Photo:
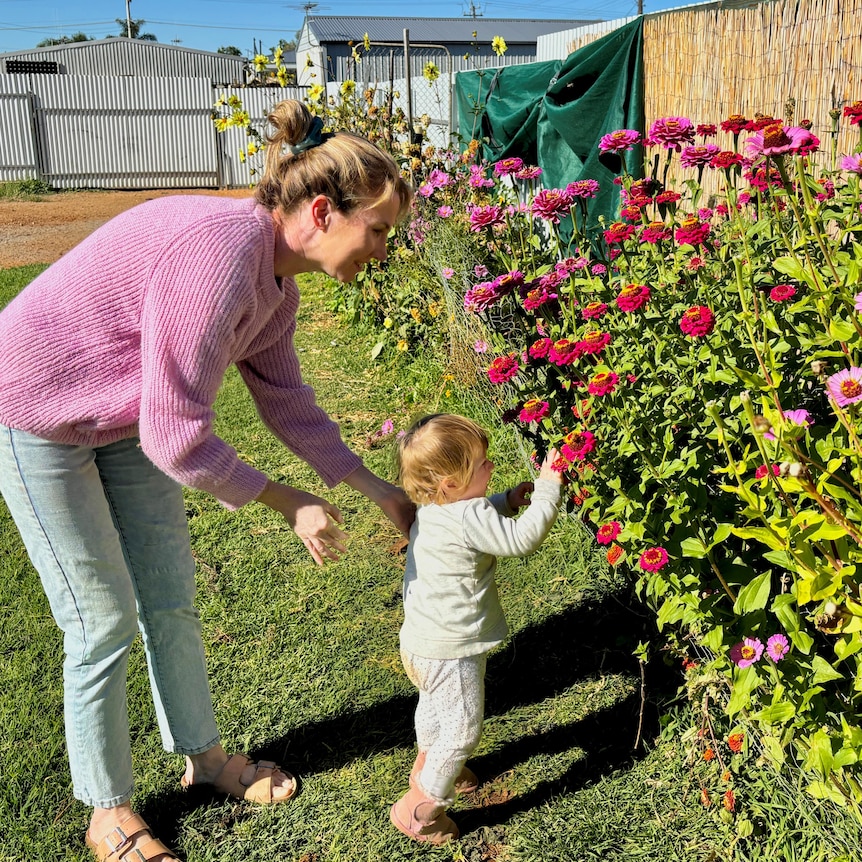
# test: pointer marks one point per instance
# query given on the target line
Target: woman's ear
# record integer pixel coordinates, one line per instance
(321, 211)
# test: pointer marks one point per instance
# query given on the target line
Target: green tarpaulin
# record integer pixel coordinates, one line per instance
(554, 113)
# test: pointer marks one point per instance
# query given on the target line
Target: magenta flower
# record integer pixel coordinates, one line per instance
(577, 445)
(603, 383)
(853, 164)
(619, 232)
(632, 297)
(654, 232)
(857, 302)
(693, 157)
(564, 351)
(672, 132)
(763, 470)
(481, 297)
(540, 349)
(503, 368)
(480, 346)
(506, 283)
(593, 310)
(534, 410)
(777, 647)
(706, 130)
(487, 216)
(799, 418)
(608, 533)
(778, 140)
(439, 179)
(725, 159)
(782, 292)
(528, 173)
(480, 270)
(444, 211)
(845, 387)
(653, 559)
(746, 652)
(692, 231)
(593, 342)
(697, 321)
(583, 189)
(619, 141)
(537, 297)
(448, 272)
(551, 205)
(506, 167)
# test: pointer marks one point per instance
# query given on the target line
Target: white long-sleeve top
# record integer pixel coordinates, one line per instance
(451, 605)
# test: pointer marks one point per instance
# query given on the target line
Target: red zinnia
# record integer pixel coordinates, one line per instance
(539, 349)
(533, 410)
(603, 383)
(692, 231)
(654, 232)
(593, 342)
(608, 532)
(503, 368)
(735, 123)
(725, 159)
(782, 292)
(564, 351)
(593, 310)
(697, 321)
(619, 232)
(854, 112)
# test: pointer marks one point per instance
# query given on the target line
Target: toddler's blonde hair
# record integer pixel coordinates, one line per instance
(439, 448)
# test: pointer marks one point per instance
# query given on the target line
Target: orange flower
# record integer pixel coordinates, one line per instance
(709, 754)
(615, 554)
(725, 776)
(728, 800)
(734, 742)
(705, 801)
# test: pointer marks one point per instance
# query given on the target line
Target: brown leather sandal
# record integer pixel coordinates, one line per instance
(229, 780)
(130, 841)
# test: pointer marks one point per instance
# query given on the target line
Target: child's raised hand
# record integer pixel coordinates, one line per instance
(547, 470)
(519, 495)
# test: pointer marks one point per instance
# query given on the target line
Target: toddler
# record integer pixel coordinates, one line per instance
(452, 613)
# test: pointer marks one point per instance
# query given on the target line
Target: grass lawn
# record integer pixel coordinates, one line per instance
(304, 670)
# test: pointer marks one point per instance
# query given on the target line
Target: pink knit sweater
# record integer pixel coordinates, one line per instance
(131, 332)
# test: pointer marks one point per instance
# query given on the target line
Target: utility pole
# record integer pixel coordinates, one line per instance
(640, 7)
(128, 19)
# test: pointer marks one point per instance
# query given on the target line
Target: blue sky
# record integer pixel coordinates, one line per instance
(210, 24)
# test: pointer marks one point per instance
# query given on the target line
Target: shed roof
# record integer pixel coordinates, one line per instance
(344, 28)
(133, 44)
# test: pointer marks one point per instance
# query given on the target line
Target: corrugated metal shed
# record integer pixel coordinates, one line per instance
(137, 57)
(339, 28)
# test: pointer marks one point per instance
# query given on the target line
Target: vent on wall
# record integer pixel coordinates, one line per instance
(32, 67)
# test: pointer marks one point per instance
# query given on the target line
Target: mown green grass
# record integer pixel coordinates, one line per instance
(305, 670)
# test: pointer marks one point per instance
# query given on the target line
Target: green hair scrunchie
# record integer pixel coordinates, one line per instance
(314, 138)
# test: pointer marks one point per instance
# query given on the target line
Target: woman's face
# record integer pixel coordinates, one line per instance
(354, 239)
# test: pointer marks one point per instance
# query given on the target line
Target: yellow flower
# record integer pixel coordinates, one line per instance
(221, 124)
(356, 56)
(277, 54)
(402, 345)
(431, 73)
(235, 102)
(416, 315)
(388, 323)
(242, 156)
(347, 88)
(315, 91)
(499, 46)
(434, 308)
(241, 118)
(252, 148)
(261, 61)
(308, 61)
(366, 42)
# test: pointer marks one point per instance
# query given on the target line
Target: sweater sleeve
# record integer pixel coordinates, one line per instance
(288, 408)
(196, 300)
(488, 531)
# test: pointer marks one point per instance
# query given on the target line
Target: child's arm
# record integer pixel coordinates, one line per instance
(490, 531)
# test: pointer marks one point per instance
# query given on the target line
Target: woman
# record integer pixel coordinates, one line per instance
(110, 362)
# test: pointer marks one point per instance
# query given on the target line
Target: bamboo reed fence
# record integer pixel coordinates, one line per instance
(791, 59)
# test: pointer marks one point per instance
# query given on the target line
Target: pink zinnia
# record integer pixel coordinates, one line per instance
(778, 140)
(529, 173)
(653, 559)
(668, 197)
(603, 383)
(503, 368)
(632, 297)
(577, 445)
(693, 157)
(777, 647)
(533, 410)
(509, 281)
(537, 297)
(672, 132)
(692, 231)
(505, 167)
(845, 387)
(746, 652)
(593, 342)
(619, 141)
(853, 164)
(583, 189)
(539, 349)
(619, 232)
(656, 231)
(706, 130)
(697, 321)
(608, 532)
(487, 216)
(481, 297)
(551, 205)
(593, 310)
(782, 292)
(444, 211)
(564, 351)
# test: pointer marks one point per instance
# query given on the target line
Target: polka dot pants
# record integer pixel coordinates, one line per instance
(448, 717)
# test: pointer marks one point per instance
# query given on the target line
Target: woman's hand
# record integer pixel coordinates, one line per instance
(312, 518)
(394, 503)
(519, 496)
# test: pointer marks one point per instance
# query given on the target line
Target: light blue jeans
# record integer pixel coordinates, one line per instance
(107, 532)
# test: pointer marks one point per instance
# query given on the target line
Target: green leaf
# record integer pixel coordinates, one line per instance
(790, 266)
(841, 330)
(693, 547)
(755, 595)
(761, 534)
(376, 350)
(778, 713)
(823, 671)
(744, 684)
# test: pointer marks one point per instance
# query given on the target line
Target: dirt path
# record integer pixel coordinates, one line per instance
(41, 231)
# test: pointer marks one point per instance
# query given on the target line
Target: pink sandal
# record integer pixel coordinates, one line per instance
(229, 780)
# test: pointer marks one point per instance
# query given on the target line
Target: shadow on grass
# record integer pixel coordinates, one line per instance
(538, 662)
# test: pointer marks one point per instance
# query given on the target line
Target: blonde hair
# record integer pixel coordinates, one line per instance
(350, 170)
(439, 448)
